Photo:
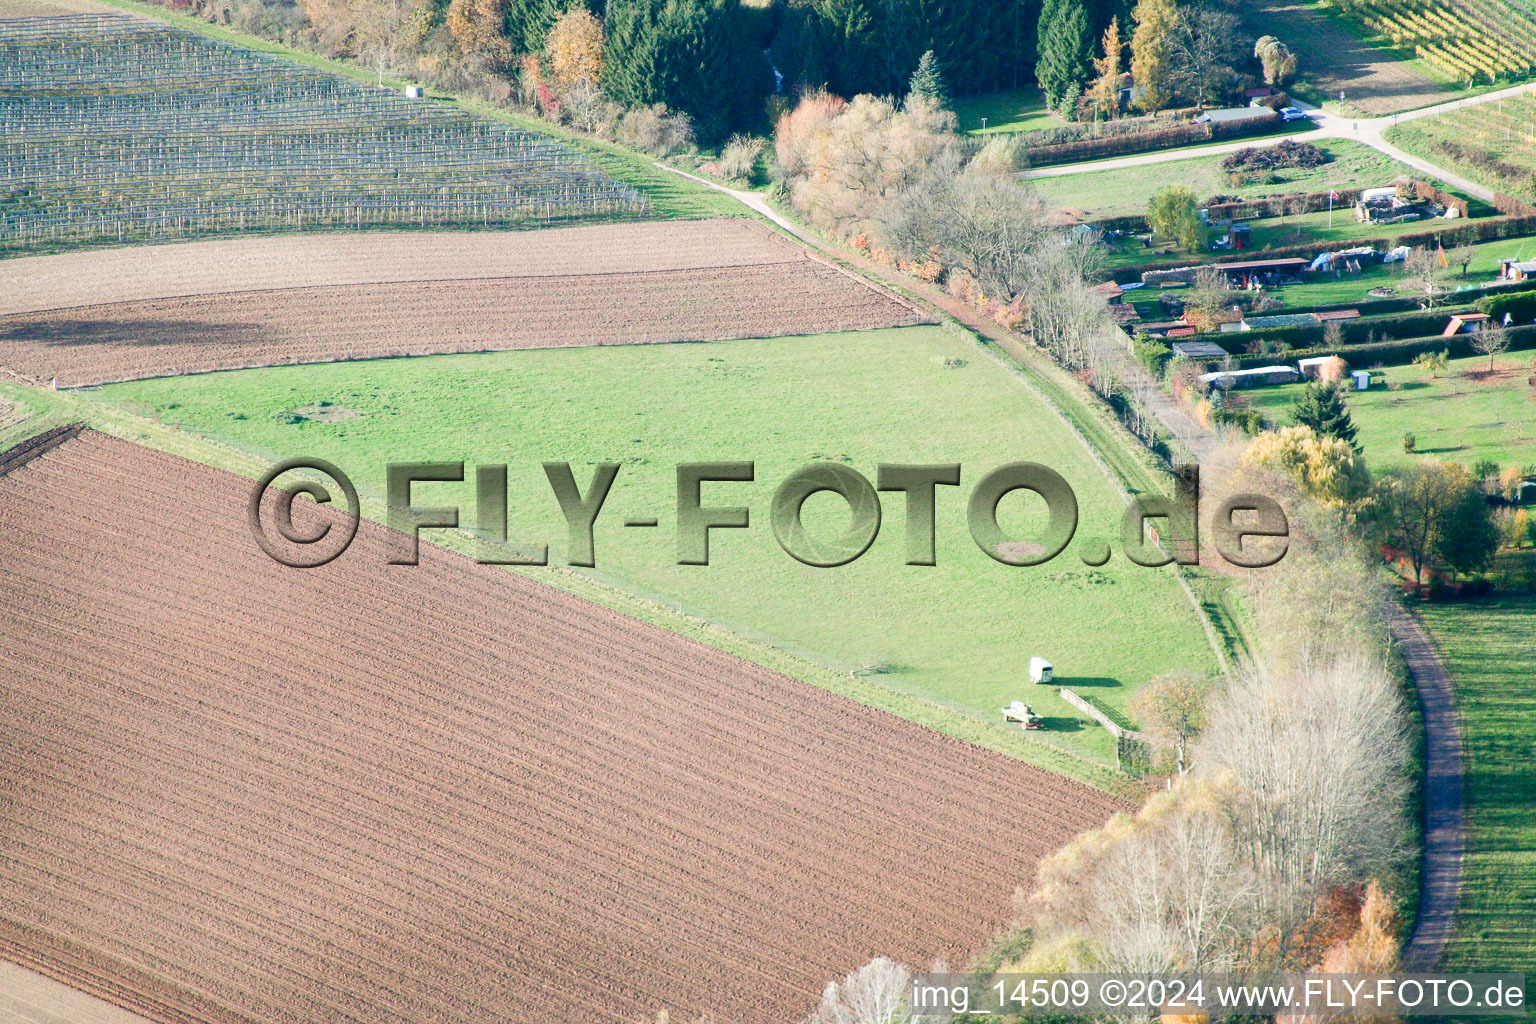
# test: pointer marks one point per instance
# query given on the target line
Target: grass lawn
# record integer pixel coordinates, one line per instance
(959, 634)
(1455, 417)
(1013, 110)
(1129, 190)
(1491, 647)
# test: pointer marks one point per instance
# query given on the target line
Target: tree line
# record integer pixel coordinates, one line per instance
(731, 67)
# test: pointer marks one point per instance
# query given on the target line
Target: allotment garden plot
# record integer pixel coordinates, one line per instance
(121, 129)
(110, 315)
(442, 794)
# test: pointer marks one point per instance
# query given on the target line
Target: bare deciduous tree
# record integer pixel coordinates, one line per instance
(1162, 890)
(1491, 341)
(1204, 43)
(991, 226)
(1426, 273)
(1319, 757)
(1461, 256)
(874, 994)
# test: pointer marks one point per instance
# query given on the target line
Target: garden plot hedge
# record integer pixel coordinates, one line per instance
(1187, 134)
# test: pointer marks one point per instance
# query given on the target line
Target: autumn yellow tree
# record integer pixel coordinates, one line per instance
(575, 48)
(1372, 949)
(1105, 90)
(1509, 482)
(479, 29)
(1152, 52)
(1326, 467)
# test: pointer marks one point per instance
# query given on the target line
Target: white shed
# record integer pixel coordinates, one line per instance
(1039, 670)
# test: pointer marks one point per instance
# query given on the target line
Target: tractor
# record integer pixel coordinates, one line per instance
(1022, 713)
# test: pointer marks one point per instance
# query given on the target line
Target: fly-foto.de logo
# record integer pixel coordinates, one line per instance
(1247, 530)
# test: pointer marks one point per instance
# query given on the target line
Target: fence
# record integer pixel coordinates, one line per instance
(1130, 754)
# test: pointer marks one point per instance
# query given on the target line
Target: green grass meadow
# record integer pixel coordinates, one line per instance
(1456, 417)
(959, 634)
(1491, 647)
(1127, 191)
(1012, 110)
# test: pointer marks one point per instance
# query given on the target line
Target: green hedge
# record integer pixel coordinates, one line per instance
(1415, 324)
(1141, 142)
(1519, 305)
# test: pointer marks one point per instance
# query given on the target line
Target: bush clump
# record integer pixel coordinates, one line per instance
(1288, 153)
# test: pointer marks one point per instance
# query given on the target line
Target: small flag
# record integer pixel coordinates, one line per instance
(1332, 195)
(1441, 253)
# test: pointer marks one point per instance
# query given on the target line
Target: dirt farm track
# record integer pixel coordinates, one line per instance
(236, 793)
(121, 314)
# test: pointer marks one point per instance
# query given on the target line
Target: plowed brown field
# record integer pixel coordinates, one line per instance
(95, 317)
(235, 792)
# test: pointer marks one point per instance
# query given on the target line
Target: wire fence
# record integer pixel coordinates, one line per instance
(113, 128)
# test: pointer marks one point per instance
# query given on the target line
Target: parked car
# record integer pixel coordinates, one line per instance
(1288, 114)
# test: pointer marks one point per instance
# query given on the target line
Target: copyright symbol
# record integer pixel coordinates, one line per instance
(1112, 992)
(280, 510)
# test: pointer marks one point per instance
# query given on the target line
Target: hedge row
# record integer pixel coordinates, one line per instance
(1521, 306)
(1247, 209)
(1511, 206)
(1283, 206)
(1061, 135)
(1417, 324)
(1389, 353)
(1143, 142)
(1311, 202)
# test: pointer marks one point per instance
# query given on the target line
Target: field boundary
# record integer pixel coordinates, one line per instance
(20, 454)
(123, 424)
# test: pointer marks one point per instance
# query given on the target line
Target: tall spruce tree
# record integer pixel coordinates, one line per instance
(928, 80)
(1066, 51)
(529, 21)
(1321, 407)
(692, 55)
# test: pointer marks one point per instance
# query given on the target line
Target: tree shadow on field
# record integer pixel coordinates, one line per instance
(65, 331)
